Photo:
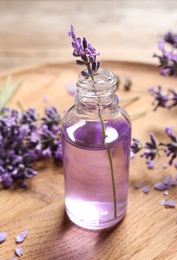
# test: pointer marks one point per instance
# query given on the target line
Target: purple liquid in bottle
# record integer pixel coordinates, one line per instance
(88, 185)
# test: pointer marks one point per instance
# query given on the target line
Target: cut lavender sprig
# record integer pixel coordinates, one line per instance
(86, 52)
(88, 55)
(152, 148)
(163, 99)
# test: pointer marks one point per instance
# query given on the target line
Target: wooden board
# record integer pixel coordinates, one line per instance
(148, 230)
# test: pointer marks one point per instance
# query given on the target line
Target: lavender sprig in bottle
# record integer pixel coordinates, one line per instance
(96, 145)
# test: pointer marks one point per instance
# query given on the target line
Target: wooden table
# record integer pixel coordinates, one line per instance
(131, 29)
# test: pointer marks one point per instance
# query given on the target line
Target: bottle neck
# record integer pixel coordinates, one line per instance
(97, 91)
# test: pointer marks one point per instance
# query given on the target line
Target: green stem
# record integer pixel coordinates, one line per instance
(19, 104)
(46, 140)
(110, 158)
(113, 182)
(110, 161)
(8, 90)
(161, 149)
(137, 115)
(102, 123)
(129, 99)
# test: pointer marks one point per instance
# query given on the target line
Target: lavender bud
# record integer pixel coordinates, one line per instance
(79, 62)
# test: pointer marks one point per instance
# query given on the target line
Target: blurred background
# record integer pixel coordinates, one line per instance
(34, 31)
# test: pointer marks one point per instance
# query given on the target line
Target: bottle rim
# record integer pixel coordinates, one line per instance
(104, 79)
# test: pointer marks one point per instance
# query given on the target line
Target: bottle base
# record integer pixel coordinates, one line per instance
(95, 224)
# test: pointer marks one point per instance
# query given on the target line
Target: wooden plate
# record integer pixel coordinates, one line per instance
(147, 232)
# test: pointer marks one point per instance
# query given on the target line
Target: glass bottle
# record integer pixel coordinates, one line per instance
(96, 151)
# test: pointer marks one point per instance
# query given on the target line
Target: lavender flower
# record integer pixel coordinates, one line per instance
(146, 189)
(151, 148)
(6, 179)
(173, 98)
(19, 251)
(167, 180)
(137, 185)
(160, 97)
(25, 138)
(165, 184)
(171, 148)
(160, 186)
(136, 146)
(20, 237)
(168, 59)
(150, 164)
(52, 116)
(86, 52)
(45, 99)
(70, 87)
(171, 39)
(29, 116)
(51, 134)
(3, 236)
(175, 164)
(165, 165)
(170, 203)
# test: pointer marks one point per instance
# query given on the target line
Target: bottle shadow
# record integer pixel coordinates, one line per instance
(79, 243)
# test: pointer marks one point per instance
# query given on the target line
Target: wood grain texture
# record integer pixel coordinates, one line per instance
(147, 232)
(35, 31)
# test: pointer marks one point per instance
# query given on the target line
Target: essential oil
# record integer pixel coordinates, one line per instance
(96, 151)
